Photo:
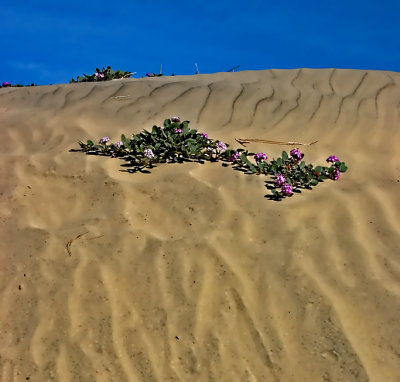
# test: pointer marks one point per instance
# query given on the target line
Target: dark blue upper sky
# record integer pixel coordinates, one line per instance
(51, 41)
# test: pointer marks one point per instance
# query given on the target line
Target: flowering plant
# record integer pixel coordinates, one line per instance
(176, 142)
(154, 75)
(7, 84)
(290, 173)
(106, 74)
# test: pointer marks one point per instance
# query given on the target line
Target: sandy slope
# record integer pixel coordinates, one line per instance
(189, 273)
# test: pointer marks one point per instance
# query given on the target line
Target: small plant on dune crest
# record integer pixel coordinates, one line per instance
(106, 74)
(176, 142)
(154, 75)
(7, 84)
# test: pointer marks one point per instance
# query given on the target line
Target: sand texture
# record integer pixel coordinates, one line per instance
(189, 273)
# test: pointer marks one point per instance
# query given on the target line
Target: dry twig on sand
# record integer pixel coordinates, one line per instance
(68, 246)
(244, 141)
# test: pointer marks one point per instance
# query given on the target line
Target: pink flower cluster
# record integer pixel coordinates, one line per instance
(279, 180)
(332, 159)
(148, 153)
(287, 189)
(234, 157)
(104, 140)
(336, 174)
(296, 154)
(221, 146)
(260, 157)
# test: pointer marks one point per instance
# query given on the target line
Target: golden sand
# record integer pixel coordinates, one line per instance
(189, 273)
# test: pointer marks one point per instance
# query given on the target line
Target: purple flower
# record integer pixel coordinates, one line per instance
(260, 156)
(5, 84)
(279, 180)
(178, 131)
(234, 157)
(335, 174)
(205, 135)
(104, 140)
(221, 146)
(118, 144)
(175, 119)
(149, 153)
(332, 159)
(287, 189)
(296, 154)
(148, 74)
(99, 75)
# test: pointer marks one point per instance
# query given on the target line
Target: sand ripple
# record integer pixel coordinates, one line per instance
(189, 273)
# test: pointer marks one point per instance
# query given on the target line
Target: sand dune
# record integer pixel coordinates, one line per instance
(189, 273)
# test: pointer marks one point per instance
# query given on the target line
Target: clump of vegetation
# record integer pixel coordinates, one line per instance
(154, 75)
(105, 74)
(9, 85)
(289, 172)
(176, 142)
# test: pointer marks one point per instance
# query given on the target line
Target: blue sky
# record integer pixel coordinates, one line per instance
(52, 41)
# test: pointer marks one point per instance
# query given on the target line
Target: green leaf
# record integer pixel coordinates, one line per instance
(185, 130)
(314, 182)
(261, 165)
(284, 155)
(252, 168)
(244, 159)
(164, 134)
(342, 167)
(90, 143)
(279, 161)
(318, 169)
(126, 142)
(302, 164)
